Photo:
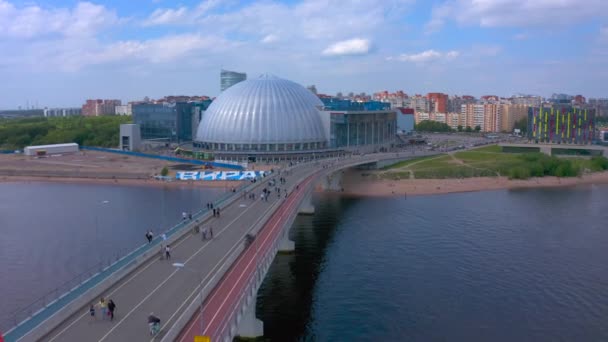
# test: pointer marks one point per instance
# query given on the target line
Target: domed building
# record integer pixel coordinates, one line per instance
(267, 115)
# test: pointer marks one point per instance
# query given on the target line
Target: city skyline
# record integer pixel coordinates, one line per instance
(63, 52)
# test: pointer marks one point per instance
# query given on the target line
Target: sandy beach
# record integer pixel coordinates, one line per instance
(355, 183)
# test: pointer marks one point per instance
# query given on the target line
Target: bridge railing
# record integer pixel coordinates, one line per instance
(29, 317)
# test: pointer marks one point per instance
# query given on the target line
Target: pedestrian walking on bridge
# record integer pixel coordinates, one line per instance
(111, 308)
(168, 252)
(104, 308)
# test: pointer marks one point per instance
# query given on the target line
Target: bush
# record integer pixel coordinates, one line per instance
(164, 172)
(519, 173)
(599, 163)
(566, 169)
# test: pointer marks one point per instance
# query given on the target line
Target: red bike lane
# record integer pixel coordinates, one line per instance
(219, 306)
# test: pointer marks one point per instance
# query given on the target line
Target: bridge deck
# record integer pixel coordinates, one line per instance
(161, 288)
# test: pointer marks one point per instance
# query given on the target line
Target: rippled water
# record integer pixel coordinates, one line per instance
(50, 232)
(526, 265)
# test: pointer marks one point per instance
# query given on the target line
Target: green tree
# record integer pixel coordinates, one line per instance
(522, 125)
(477, 128)
(432, 126)
(459, 128)
(100, 131)
(468, 129)
(164, 172)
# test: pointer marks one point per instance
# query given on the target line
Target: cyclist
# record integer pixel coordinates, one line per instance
(154, 323)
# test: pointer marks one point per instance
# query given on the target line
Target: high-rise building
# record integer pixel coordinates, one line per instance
(511, 113)
(528, 100)
(230, 78)
(396, 99)
(50, 112)
(418, 102)
(438, 102)
(100, 107)
(473, 115)
(492, 117)
(561, 124)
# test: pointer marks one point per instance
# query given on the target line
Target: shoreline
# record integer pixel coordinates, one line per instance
(356, 185)
(120, 181)
(353, 183)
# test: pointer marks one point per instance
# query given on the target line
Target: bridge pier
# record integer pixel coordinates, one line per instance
(307, 208)
(332, 182)
(249, 325)
(286, 245)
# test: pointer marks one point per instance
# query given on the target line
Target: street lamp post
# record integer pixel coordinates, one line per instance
(180, 265)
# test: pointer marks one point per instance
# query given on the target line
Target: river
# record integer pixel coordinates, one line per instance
(524, 265)
(51, 232)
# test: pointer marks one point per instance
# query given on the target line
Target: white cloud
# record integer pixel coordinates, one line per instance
(85, 19)
(516, 13)
(162, 16)
(426, 56)
(356, 46)
(180, 16)
(270, 38)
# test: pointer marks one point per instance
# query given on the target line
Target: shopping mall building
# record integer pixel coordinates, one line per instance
(269, 119)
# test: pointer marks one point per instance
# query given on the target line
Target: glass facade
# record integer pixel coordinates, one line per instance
(351, 129)
(230, 78)
(167, 121)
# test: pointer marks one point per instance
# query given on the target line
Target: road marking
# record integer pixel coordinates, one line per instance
(133, 277)
(212, 273)
(270, 231)
(269, 234)
(152, 263)
(166, 279)
(215, 293)
(110, 294)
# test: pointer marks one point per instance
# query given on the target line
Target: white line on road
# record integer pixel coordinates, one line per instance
(166, 279)
(212, 273)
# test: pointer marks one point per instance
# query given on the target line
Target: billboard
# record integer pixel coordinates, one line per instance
(220, 175)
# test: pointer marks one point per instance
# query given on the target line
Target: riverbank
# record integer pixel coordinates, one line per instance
(357, 183)
(122, 181)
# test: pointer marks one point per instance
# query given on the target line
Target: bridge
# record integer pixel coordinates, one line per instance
(209, 286)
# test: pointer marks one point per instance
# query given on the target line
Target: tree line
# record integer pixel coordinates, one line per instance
(101, 131)
(436, 126)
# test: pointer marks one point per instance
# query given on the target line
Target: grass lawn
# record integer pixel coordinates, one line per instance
(489, 161)
(403, 163)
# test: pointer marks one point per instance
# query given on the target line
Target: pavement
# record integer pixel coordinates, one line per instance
(163, 289)
(219, 305)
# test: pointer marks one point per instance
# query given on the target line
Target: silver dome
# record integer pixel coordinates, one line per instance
(268, 111)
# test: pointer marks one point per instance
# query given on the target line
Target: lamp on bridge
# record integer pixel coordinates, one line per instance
(180, 265)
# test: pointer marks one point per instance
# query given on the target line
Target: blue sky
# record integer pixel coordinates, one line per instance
(59, 53)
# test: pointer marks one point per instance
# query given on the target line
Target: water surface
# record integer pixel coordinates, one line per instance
(524, 265)
(51, 232)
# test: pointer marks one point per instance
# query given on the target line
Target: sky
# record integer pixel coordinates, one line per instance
(59, 53)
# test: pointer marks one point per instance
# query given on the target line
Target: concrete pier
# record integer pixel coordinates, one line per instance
(307, 208)
(286, 245)
(249, 325)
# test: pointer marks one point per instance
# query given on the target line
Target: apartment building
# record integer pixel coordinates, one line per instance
(511, 113)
